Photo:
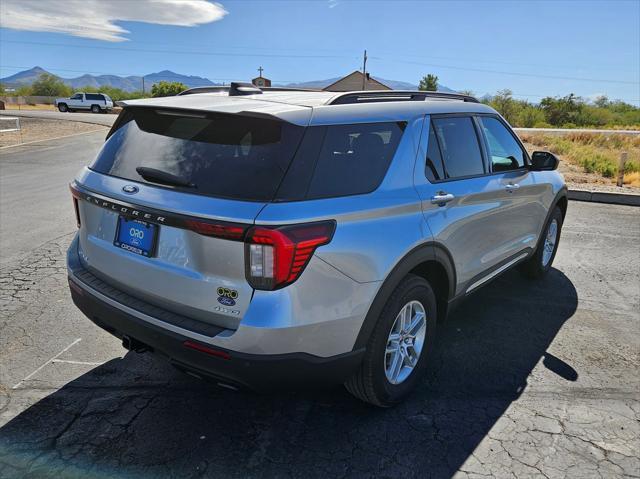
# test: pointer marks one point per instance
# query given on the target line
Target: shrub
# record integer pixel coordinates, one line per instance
(529, 116)
(165, 88)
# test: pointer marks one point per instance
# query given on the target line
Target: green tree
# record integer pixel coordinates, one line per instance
(24, 90)
(529, 116)
(428, 83)
(505, 104)
(602, 101)
(49, 85)
(165, 88)
(566, 110)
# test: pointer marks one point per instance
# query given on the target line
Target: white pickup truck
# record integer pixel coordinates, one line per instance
(94, 102)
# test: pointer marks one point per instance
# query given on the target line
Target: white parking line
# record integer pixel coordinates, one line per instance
(84, 363)
(51, 139)
(16, 386)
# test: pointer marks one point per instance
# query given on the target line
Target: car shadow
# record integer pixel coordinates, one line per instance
(137, 417)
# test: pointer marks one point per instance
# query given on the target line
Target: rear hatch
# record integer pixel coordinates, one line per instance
(163, 208)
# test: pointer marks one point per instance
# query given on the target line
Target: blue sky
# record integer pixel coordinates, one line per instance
(534, 48)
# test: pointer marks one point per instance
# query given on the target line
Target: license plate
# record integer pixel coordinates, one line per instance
(136, 236)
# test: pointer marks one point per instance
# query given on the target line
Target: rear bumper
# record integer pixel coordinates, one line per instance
(262, 372)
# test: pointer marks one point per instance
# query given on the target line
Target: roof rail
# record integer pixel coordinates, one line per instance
(396, 95)
(227, 88)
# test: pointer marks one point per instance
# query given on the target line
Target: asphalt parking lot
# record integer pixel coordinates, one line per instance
(530, 379)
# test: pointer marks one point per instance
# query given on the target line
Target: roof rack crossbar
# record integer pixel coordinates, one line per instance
(396, 95)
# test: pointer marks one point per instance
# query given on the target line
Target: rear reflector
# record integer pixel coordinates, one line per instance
(275, 257)
(206, 349)
(75, 287)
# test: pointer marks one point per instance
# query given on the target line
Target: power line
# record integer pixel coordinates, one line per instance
(181, 52)
(390, 52)
(499, 62)
(20, 68)
(532, 75)
(430, 65)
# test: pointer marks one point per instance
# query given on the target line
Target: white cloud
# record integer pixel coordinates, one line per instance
(96, 18)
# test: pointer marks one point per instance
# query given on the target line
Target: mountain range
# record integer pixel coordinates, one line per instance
(133, 83)
(126, 83)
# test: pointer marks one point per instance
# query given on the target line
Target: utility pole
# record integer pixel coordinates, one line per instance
(364, 71)
(142, 85)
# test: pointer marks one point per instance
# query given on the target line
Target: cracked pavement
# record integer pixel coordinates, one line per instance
(529, 379)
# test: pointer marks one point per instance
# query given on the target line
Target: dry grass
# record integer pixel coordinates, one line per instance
(632, 179)
(594, 152)
(13, 106)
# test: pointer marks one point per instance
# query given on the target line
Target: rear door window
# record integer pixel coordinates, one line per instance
(459, 145)
(222, 155)
(354, 159)
(505, 152)
(434, 169)
(93, 96)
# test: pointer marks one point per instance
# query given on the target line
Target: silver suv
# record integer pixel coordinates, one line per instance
(270, 238)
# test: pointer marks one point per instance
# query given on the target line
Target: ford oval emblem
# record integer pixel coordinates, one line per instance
(226, 301)
(130, 189)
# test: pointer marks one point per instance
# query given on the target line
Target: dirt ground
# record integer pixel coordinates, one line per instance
(35, 129)
(577, 178)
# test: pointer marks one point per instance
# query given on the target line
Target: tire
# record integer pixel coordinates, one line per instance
(95, 109)
(371, 383)
(539, 264)
(62, 107)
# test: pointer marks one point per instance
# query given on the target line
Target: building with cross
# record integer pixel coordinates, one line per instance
(261, 81)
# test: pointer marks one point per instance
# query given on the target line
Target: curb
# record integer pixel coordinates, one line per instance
(603, 197)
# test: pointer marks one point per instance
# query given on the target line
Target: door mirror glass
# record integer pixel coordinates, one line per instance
(544, 161)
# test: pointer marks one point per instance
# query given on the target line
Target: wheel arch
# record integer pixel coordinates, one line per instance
(431, 261)
(562, 201)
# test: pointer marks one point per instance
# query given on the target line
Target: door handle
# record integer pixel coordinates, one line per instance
(511, 187)
(441, 198)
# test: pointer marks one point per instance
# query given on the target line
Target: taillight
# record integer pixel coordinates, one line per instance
(229, 231)
(275, 257)
(76, 207)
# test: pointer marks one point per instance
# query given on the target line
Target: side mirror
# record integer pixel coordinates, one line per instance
(544, 161)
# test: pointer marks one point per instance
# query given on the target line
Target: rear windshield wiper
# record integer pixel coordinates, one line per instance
(163, 177)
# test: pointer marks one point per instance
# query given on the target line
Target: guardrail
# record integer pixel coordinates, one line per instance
(564, 131)
(28, 100)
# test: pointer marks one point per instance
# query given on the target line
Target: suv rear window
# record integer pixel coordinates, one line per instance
(354, 158)
(94, 96)
(223, 155)
(341, 160)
